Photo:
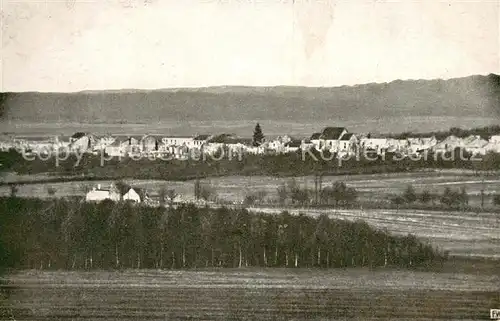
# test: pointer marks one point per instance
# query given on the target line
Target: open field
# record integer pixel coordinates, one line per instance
(235, 188)
(251, 294)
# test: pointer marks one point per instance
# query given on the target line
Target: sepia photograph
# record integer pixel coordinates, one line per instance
(249, 160)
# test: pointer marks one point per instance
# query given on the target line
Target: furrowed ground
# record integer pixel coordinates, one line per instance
(251, 294)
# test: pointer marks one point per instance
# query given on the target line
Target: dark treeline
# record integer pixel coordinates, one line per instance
(69, 234)
(485, 133)
(448, 199)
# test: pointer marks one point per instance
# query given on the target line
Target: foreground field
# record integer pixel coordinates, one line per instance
(260, 294)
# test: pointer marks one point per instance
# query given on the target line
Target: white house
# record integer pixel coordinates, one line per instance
(495, 139)
(293, 145)
(448, 144)
(39, 145)
(115, 149)
(178, 141)
(131, 145)
(316, 140)
(475, 144)
(493, 144)
(226, 143)
(81, 142)
(348, 144)
(397, 145)
(306, 144)
(492, 147)
(376, 144)
(330, 138)
(100, 194)
(257, 150)
(277, 144)
(416, 145)
(149, 143)
(176, 152)
(102, 142)
(132, 195)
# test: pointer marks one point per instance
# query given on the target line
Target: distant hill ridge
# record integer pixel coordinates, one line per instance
(463, 97)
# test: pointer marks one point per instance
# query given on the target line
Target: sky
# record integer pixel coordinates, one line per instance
(72, 45)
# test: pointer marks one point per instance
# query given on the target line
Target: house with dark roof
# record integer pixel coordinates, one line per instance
(102, 142)
(330, 138)
(293, 145)
(449, 144)
(228, 142)
(178, 141)
(333, 133)
(348, 144)
(229, 139)
(315, 136)
(131, 144)
(82, 142)
(77, 136)
(200, 140)
(149, 143)
(115, 149)
(475, 144)
(275, 145)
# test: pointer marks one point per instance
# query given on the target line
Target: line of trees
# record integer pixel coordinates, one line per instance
(291, 193)
(69, 234)
(484, 132)
(449, 197)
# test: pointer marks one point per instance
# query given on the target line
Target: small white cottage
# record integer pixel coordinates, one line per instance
(100, 194)
(132, 195)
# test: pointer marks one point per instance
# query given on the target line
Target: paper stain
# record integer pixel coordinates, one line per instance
(70, 4)
(314, 19)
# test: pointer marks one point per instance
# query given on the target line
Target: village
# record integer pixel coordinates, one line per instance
(336, 140)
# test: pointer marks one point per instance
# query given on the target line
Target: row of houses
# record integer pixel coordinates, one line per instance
(339, 140)
(333, 139)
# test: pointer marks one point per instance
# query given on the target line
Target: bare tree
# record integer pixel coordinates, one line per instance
(84, 188)
(282, 194)
(249, 200)
(409, 195)
(171, 195)
(162, 195)
(255, 197)
(122, 188)
(260, 195)
(51, 191)
(425, 197)
(13, 190)
(207, 192)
